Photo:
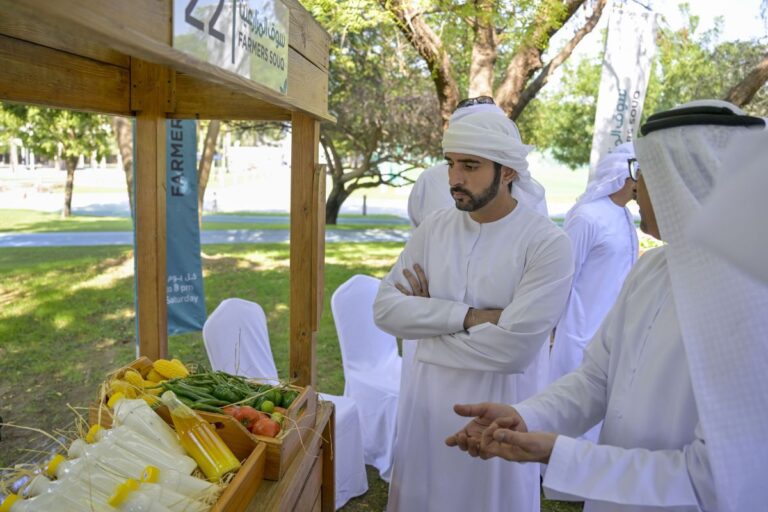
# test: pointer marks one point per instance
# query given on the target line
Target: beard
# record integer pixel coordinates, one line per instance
(475, 202)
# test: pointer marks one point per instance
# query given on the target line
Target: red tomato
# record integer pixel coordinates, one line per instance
(249, 416)
(266, 427)
(232, 410)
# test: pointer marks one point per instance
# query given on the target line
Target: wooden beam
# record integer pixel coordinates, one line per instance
(305, 137)
(40, 31)
(103, 23)
(307, 36)
(151, 96)
(198, 99)
(35, 74)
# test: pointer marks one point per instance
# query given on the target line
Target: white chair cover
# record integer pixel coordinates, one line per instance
(372, 368)
(237, 341)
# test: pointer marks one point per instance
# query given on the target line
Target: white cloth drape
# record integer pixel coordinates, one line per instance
(732, 222)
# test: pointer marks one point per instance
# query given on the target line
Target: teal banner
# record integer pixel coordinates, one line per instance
(186, 300)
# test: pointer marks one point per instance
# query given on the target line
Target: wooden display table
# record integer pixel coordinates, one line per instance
(309, 483)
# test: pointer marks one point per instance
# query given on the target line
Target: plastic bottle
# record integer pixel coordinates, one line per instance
(114, 459)
(136, 414)
(141, 447)
(46, 502)
(52, 501)
(128, 498)
(200, 440)
(179, 482)
(172, 500)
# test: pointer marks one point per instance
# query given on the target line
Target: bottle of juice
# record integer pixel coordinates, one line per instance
(200, 440)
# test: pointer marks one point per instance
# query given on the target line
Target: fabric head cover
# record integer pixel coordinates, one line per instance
(611, 174)
(492, 135)
(722, 312)
(732, 222)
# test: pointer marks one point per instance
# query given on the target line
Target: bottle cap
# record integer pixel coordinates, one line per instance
(90, 437)
(8, 503)
(151, 474)
(122, 491)
(53, 464)
(114, 399)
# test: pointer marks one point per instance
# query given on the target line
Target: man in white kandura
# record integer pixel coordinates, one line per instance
(605, 247)
(677, 370)
(431, 191)
(480, 287)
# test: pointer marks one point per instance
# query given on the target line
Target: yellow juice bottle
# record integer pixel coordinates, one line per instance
(200, 440)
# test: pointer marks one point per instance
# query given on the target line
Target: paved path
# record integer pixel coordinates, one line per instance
(233, 236)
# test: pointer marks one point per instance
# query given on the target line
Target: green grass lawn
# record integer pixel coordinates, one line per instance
(67, 318)
(30, 221)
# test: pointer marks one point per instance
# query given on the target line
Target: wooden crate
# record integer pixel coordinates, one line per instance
(280, 450)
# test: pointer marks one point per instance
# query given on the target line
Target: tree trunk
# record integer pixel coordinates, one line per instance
(14, 156)
(333, 204)
(204, 167)
(124, 136)
(71, 162)
(743, 92)
(483, 51)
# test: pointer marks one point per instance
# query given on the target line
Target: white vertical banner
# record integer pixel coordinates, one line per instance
(629, 49)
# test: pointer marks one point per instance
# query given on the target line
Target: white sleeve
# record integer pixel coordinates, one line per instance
(525, 323)
(580, 470)
(411, 317)
(577, 401)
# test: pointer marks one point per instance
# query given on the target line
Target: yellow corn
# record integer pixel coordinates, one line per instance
(133, 377)
(121, 386)
(170, 369)
(151, 400)
(153, 376)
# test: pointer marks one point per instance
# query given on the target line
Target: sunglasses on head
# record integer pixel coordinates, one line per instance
(479, 100)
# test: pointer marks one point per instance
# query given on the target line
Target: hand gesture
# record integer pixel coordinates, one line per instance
(484, 414)
(504, 439)
(418, 282)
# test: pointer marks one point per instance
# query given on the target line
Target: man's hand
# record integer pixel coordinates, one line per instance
(418, 282)
(504, 439)
(480, 316)
(484, 414)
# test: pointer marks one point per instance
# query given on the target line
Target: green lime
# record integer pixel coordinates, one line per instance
(268, 407)
(278, 418)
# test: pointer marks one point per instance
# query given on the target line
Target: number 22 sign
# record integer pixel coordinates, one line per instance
(248, 37)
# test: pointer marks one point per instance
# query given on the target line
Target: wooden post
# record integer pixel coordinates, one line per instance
(318, 244)
(152, 96)
(303, 302)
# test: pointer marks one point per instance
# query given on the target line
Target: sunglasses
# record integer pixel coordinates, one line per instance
(634, 168)
(480, 100)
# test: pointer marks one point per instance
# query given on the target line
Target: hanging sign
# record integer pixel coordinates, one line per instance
(248, 37)
(184, 292)
(629, 49)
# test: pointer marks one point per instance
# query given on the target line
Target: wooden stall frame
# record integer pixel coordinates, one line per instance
(115, 57)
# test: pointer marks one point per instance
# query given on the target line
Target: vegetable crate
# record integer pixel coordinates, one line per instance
(280, 450)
